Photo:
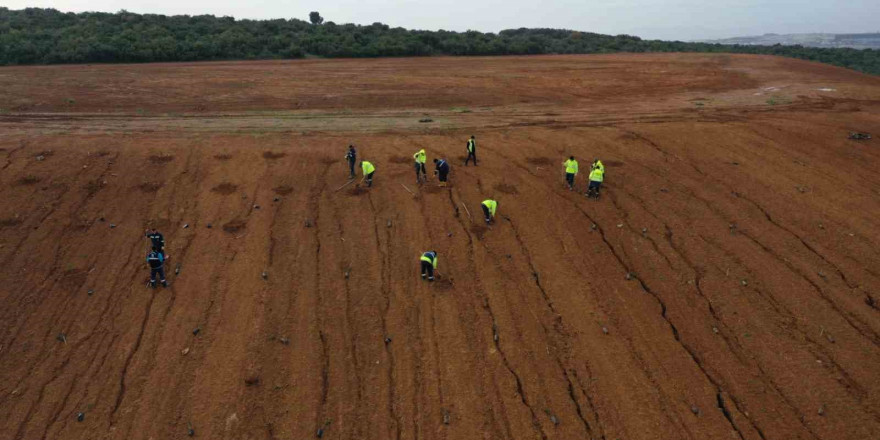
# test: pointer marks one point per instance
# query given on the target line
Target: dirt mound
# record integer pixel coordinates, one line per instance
(539, 161)
(326, 160)
(149, 187)
(271, 155)
(10, 222)
(479, 229)
(357, 191)
(27, 180)
(613, 163)
(505, 188)
(160, 159)
(224, 156)
(431, 189)
(225, 188)
(282, 190)
(401, 160)
(442, 284)
(235, 225)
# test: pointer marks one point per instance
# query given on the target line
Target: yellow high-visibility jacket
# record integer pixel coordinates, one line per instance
(471, 145)
(492, 205)
(571, 166)
(598, 164)
(420, 156)
(367, 167)
(597, 175)
(430, 257)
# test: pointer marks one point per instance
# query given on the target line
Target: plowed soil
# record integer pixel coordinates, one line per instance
(725, 286)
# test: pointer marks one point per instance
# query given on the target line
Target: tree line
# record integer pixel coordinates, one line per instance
(48, 36)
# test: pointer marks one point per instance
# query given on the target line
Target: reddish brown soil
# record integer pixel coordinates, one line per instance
(725, 286)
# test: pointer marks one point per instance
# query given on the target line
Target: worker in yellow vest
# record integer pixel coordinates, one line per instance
(598, 164)
(472, 151)
(489, 207)
(597, 175)
(429, 264)
(420, 158)
(571, 170)
(368, 170)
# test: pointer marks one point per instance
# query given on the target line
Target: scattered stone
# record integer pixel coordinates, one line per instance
(186, 225)
(446, 416)
(605, 330)
(320, 433)
(112, 226)
(715, 329)
(822, 274)
(61, 338)
(821, 226)
(426, 120)
(388, 224)
(308, 223)
(80, 417)
(85, 166)
(347, 273)
(449, 234)
(628, 276)
(276, 199)
(177, 269)
(664, 190)
(387, 339)
(265, 275)
(829, 337)
(285, 341)
(593, 226)
(620, 225)
(822, 410)
(494, 332)
(256, 206)
(196, 331)
(185, 351)
(101, 219)
(554, 420)
(509, 256)
(251, 381)
(744, 283)
(243, 196)
(695, 410)
(189, 430)
(41, 158)
(90, 292)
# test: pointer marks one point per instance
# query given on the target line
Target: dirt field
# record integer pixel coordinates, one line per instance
(726, 285)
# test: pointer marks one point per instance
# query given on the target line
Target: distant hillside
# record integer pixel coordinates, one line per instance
(853, 41)
(47, 36)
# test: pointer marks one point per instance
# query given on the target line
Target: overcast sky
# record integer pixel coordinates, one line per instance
(662, 19)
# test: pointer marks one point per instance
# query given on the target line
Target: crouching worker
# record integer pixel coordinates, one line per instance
(429, 263)
(442, 170)
(368, 170)
(489, 207)
(156, 260)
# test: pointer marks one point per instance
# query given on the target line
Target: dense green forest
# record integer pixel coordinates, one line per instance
(47, 36)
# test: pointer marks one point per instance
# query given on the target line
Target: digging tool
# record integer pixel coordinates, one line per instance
(408, 190)
(344, 185)
(466, 210)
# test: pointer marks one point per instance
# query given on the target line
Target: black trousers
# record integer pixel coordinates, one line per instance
(594, 187)
(569, 177)
(160, 271)
(420, 168)
(370, 179)
(443, 175)
(486, 213)
(471, 155)
(351, 168)
(427, 269)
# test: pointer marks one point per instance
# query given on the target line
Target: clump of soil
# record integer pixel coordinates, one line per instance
(234, 225)
(401, 159)
(506, 189)
(72, 279)
(431, 189)
(9, 222)
(479, 230)
(159, 160)
(225, 188)
(27, 180)
(283, 190)
(103, 153)
(328, 160)
(358, 190)
(272, 155)
(150, 187)
(613, 163)
(93, 187)
(539, 161)
(443, 284)
(223, 156)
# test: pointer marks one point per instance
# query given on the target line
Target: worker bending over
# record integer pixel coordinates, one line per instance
(429, 264)
(489, 207)
(571, 170)
(598, 164)
(156, 260)
(368, 170)
(420, 158)
(442, 170)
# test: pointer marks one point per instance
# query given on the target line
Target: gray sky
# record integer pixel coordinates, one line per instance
(662, 19)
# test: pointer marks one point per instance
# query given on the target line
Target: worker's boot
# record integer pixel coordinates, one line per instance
(164, 283)
(152, 284)
(430, 278)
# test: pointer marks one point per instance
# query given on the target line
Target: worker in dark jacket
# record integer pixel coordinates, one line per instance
(351, 157)
(429, 264)
(441, 170)
(156, 260)
(157, 241)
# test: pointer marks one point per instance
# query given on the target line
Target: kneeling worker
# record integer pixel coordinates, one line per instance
(597, 175)
(442, 170)
(571, 170)
(429, 264)
(368, 170)
(489, 207)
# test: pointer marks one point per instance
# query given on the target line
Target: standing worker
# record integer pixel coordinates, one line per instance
(420, 159)
(442, 170)
(597, 175)
(156, 260)
(472, 151)
(598, 164)
(368, 170)
(351, 156)
(157, 241)
(429, 264)
(571, 170)
(489, 207)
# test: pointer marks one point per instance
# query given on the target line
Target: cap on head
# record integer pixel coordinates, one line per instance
(572, 158)
(436, 160)
(472, 136)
